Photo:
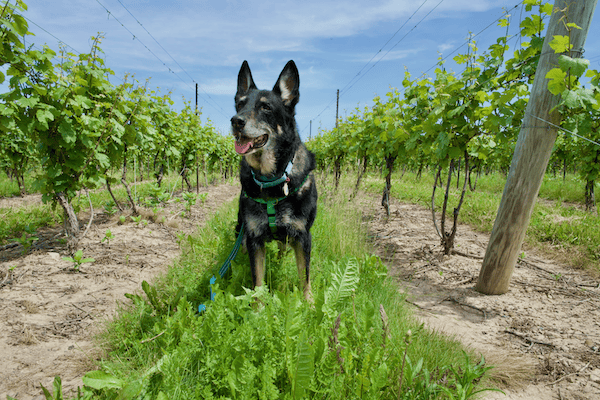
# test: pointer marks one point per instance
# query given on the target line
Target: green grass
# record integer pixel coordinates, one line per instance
(37, 216)
(560, 222)
(9, 188)
(15, 221)
(271, 344)
(571, 190)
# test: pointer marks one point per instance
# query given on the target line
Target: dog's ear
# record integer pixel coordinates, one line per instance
(245, 81)
(288, 85)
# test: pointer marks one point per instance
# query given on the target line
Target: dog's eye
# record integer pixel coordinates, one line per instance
(240, 104)
(265, 107)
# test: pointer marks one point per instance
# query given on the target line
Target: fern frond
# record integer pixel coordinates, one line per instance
(344, 282)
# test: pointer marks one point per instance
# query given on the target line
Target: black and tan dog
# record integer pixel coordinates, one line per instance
(279, 194)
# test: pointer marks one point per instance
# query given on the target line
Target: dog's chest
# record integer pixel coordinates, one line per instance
(280, 218)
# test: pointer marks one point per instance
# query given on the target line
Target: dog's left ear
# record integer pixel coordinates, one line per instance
(245, 81)
(288, 85)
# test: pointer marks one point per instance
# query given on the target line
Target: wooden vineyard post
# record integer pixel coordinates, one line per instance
(532, 153)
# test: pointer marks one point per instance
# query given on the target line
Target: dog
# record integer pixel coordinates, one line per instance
(279, 193)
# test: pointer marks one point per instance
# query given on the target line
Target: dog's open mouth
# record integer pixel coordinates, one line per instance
(243, 146)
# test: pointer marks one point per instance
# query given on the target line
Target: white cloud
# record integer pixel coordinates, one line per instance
(220, 86)
(221, 33)
(442, 48)
(386, 56)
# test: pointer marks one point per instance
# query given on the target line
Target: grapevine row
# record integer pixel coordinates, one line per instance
(471, 120)
(62, 114)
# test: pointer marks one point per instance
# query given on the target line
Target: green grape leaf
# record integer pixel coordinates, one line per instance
(68, 134)
(557, 81)
(560, 44)
(43, 116)
(577, 66)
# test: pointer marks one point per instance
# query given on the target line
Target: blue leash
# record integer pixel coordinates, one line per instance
(225, 267)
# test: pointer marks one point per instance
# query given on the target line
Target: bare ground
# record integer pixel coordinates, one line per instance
(544, 334)
(49, 313)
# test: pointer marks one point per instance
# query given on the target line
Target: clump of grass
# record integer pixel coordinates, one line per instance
(270, 343)
(34, 216)
(16, 219)
(570, 190)
(570, 228)
(10, 188)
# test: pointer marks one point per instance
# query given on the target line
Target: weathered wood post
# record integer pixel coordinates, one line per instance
(532, 153)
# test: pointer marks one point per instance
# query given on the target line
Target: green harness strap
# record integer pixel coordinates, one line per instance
(270, 203)
(270, 210)
(267, 182)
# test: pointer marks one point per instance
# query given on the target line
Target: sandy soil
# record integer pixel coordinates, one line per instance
(544, 333)
(49, 313)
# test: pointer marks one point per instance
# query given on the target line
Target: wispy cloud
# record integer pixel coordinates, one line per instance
(444, 47)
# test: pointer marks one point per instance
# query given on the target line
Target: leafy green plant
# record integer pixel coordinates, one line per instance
(158, 306)
(57, 390)
(108, 236)
(345, 279)
(190, 199)
(110, 207)
(466, 379)
(26, 240)
(157, 196)
(78, 260)
(557, 277)
(57, 393)
(139, 220)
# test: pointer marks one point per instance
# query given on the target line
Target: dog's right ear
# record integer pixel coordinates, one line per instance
(288, 84)
(245, 81)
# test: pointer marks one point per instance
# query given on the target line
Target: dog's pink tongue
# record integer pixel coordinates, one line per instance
(242, 149)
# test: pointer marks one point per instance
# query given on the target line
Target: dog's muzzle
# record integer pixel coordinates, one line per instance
(245, 144)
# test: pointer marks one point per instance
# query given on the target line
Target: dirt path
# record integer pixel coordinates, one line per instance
(6, 202)
(545, 332)
(50, 313)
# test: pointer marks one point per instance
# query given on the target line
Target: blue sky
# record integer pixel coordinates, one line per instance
(330, 41)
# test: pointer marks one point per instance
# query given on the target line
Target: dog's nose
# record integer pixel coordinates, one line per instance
(238, 123)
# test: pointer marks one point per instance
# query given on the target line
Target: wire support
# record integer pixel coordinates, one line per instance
(154, 54)
(391, 48)
(382, 47)
(172, 58)
(59, 40)
(550, 124)
(346, 88)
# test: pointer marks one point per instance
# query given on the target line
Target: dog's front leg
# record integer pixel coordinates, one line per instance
(302, 251)
(256, 252)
